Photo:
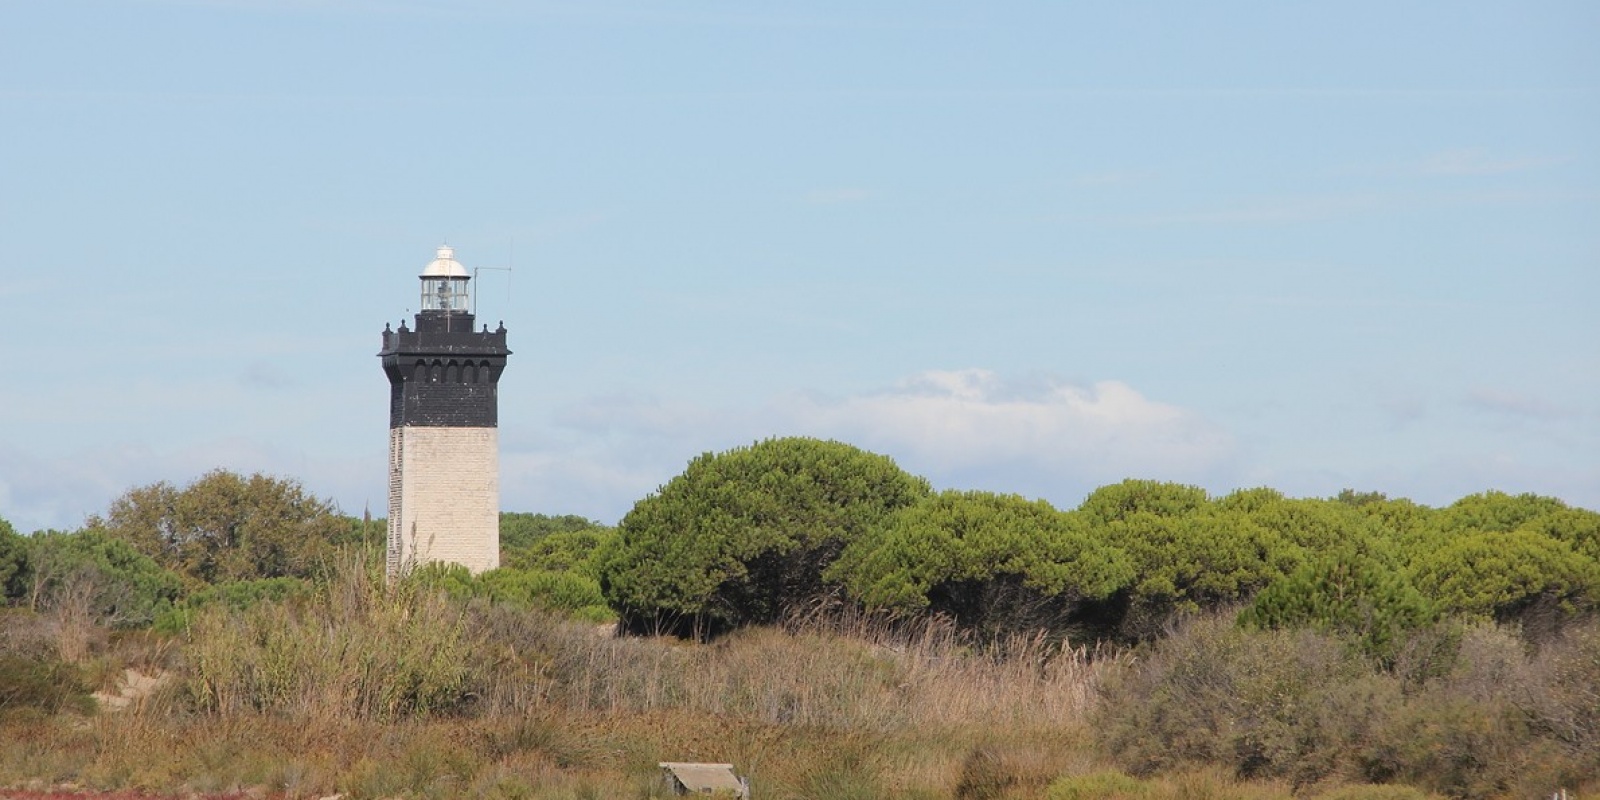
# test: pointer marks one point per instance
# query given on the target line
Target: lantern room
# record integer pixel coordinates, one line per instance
(444, 283)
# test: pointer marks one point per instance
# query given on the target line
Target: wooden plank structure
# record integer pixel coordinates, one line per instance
(706, 779)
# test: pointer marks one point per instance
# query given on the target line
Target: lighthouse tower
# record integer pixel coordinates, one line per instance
(444, 443)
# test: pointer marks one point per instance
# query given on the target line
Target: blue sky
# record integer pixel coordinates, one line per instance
(1023, 247)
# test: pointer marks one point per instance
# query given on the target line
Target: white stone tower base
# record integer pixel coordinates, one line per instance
(444, 497)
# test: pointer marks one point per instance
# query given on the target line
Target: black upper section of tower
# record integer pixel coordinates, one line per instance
(444, 374)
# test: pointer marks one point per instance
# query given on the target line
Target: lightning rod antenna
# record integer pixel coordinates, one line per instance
(476, 286)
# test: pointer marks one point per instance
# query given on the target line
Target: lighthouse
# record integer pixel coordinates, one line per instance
(444, 443)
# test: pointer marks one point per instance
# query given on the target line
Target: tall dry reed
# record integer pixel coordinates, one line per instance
(851, 672)
(353, 650)
(381, 691)
(359, 649)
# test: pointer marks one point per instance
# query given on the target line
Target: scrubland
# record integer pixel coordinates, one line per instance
(827, 623)
(368, 691)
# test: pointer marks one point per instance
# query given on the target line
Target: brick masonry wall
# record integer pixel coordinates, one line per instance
(396, 545)
(444, 502)
(444, 379)
(444, 399)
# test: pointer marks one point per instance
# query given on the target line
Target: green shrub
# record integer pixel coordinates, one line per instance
(1408, 525)
(569, 592)
(454, 580)
(235, 595)
(13, 562)
(1497, 511)
(1375, 792)
(1504, 575)
(1119, 501)
(523, 536)
(1319, 525)
(995, 563)
(1203, 560)
(93, 576)
(742, 537)
(1464, 748)
(1292, 705)
(1348, 592)
(1104, 785)
(560, 551)
(1578, 527)
(43, 684)
(226, 526)
(575, 594)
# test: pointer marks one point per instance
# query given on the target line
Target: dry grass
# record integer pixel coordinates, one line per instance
(378, 693)
(353, 651)
(862, 676)
(1211, 784)
(576, 755)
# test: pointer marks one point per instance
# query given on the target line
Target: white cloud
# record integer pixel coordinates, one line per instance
(969, 429)
(964, 429)
(972, 422)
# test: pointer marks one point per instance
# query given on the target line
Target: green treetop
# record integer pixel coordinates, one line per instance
(743, 536)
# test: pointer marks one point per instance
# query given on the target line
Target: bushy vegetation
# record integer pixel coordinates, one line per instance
(994, 563)
(838, 630)
(743, 537)
(40, 683)
(1349, 592)
(350, 650)
(226, 526)
(574, 592)
(1490, 716)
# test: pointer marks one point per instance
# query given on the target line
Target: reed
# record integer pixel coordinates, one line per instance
(853, 673)
(375, 692)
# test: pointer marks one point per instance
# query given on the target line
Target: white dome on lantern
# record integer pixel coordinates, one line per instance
(445, 265)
